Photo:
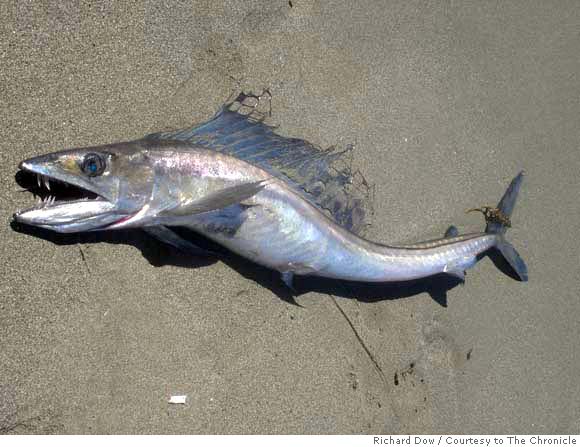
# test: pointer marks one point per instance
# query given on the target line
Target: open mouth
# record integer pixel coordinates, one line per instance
(50, 191)
(64, 206)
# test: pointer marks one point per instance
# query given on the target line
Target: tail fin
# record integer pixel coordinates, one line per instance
(499, 221)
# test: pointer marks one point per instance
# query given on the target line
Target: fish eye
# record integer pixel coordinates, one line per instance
(93, 165)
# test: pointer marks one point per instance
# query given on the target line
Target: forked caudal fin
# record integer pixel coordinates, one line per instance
(498, 221)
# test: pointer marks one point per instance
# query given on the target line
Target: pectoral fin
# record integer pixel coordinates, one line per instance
(169, 237)
(459, 274)
(217, 200)
(458, 267)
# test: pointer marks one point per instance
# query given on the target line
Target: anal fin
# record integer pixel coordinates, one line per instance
(458, 267)
(459, 274)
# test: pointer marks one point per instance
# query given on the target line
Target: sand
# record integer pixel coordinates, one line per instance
(445, 101)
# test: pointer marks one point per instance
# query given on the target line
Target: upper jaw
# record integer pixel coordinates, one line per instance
(46, 174)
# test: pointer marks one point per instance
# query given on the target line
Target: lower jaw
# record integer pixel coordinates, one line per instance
(96, 223)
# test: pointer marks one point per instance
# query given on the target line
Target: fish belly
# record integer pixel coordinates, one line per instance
(268, 231)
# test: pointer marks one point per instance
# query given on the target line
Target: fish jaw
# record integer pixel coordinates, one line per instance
(95, 210)
(63, 167)
(70, 217)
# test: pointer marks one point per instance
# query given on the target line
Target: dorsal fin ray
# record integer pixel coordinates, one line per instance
(310, 171)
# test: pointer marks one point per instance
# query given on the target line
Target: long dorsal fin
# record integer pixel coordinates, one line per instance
(312, 172)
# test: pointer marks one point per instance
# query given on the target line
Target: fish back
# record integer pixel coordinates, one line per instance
(314, 173)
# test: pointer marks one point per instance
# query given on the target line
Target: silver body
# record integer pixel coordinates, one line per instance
(274, 200)
(281, 230)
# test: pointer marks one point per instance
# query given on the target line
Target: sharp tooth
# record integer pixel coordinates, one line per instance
(38, 180)
(46, 182)
(38, 200)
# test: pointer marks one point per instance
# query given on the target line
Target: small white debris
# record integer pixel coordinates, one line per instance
(177, 400)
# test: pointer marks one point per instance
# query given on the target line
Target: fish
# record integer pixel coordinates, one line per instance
(277, 201)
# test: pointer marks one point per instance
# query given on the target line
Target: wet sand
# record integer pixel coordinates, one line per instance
(445, 102)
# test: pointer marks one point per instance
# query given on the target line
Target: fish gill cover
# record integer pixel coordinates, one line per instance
(321, 176)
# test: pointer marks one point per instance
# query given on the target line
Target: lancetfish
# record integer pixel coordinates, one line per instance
(277, 201)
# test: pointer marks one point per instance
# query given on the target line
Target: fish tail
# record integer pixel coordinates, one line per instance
(499, 220)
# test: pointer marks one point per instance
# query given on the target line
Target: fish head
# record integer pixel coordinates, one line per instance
(88, 189)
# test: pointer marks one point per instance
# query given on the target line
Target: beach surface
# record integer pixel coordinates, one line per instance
(445, 102)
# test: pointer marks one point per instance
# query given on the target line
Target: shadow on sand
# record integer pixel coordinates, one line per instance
(159, 254)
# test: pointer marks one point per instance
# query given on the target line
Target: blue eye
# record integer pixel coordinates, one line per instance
(93, 164)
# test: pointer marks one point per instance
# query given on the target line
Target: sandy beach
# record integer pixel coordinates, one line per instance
(445, 102)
